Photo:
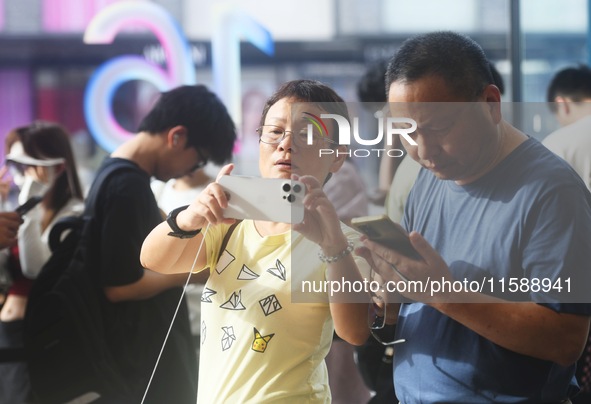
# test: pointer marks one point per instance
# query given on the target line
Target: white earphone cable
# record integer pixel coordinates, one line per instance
(175, 314)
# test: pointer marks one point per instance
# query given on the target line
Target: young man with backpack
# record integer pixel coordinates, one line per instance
(187, 127)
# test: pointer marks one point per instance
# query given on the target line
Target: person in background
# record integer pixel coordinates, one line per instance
(346, 191)
(186, 127)
(569, 97)
(170, 195)
(42, 164)
(489, 203)
(371, 92)
(184, 189)
(374, 360)
(257, 345)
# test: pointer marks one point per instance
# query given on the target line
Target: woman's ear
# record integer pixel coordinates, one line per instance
(340, 155)
(60, 168)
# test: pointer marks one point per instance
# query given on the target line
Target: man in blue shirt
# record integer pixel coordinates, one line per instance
(491, 208)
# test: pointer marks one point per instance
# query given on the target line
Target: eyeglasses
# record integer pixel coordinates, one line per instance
(377, 321)
(271, 134)
(201, 163)
(377, 314)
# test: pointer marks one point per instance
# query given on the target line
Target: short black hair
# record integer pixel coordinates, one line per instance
(209, 125)
(371, 87)
(309, 91)
(497, 78)
(457, 59)
(573, 82)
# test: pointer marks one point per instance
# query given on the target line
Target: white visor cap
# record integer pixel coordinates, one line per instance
(17, 154)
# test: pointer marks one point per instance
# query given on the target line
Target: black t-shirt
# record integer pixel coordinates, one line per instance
(126, 211)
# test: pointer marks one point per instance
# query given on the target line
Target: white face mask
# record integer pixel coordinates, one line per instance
(30, 187)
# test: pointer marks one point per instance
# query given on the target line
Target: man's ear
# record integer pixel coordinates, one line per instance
(492, 95)
(176, 136)
(563, 105)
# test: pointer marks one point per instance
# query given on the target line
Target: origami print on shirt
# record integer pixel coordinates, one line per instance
(278, 270)
(207, 294)
(234, 302)
(260, 342)
(270, 304)
(228, 338)
(225, 260)
(247, 274)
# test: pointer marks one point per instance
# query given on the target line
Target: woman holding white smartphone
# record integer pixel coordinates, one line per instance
(264, 338)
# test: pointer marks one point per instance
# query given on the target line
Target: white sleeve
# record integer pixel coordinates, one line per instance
(33, 244)
(33, 252)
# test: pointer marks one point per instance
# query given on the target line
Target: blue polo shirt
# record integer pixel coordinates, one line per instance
(529, 217)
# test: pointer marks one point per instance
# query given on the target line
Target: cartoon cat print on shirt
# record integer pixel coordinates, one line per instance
(259, 344)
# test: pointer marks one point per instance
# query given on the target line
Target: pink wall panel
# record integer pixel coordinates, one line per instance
(70, 15)
(2, 5)
(15, 101)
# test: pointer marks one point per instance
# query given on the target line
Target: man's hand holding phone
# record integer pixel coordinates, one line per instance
(383, 230)
(396, 263)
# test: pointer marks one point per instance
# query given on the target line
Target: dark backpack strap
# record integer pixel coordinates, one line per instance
(227, 237)
(64, 224)
(77, 223)
(101, 178)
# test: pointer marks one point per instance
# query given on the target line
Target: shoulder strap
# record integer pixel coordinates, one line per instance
(227, 237)
(100, 179)
(78, 222)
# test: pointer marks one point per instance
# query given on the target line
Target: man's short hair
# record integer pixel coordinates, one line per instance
(371, 86)
(572, 82)
(455, 58)
(206, 119)
(497, 78)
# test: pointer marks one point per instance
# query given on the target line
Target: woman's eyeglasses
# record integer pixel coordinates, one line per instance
(271, 134)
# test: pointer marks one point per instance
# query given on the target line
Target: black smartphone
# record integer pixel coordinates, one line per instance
(30, 204)
(383, 230)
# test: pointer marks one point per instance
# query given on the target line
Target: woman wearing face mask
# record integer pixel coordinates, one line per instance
(42, 164)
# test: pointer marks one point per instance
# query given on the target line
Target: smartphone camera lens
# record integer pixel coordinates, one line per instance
(286, 187)
(291, 198)
(297, 188)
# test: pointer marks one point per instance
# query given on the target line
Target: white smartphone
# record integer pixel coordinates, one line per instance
(269, 199)
(383, 230)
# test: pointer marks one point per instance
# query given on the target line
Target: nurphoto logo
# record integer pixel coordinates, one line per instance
(387, 127)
